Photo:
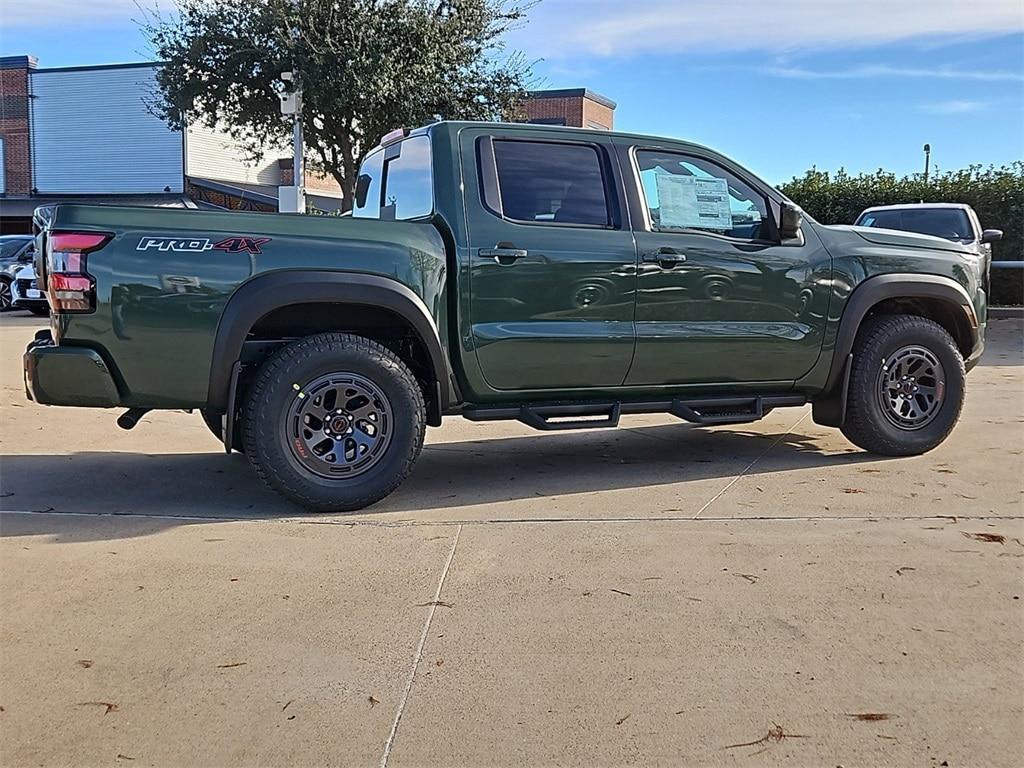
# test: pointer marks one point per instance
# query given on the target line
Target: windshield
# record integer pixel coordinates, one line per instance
(9, 247)
(950, 223)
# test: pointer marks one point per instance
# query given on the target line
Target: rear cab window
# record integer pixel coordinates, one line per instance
(396, 182)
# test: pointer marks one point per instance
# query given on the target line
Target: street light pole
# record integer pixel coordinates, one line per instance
(292, 199)
(298, 164)
(927, 160)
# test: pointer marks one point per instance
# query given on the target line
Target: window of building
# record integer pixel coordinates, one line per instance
(396, 182)
(551, 182)
(690, 193)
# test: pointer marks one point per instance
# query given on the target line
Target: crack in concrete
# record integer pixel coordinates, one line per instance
(746, 469)
(419, 653)
(517, 521)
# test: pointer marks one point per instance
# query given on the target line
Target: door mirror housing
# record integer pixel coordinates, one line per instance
(991, 235)
(791, 221)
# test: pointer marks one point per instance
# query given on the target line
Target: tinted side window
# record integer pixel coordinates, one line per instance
(690, 193)
(557, 183)
(408, 182)
(368, 187)
(398, 182)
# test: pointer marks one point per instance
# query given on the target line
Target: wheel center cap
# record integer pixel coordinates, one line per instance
(338, 425)
(907, 387)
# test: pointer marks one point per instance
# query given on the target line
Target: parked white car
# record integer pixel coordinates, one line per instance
(952, 221)
(26, 294)
(15, 252)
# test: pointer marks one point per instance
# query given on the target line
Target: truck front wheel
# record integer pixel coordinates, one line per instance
(334, 422)
(907, 386)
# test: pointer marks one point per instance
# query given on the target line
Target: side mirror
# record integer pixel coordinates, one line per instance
(791, 221)
(362, 188)
(991, 235)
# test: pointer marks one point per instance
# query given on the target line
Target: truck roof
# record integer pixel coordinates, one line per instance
(456, 125)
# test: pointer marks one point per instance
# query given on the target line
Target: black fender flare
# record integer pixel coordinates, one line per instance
(265, 293)
(830, 407)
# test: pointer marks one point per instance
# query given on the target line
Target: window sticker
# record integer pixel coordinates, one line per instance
(687, 202)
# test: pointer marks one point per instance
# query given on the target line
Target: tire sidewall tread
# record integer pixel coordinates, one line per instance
(866, 425)
(302, 361)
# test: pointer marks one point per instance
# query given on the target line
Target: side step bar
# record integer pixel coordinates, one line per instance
(564, 416)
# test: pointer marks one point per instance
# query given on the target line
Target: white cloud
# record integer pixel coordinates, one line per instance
(567, 28)
(616, 28)
(955, 107)
(61, 13)
(881, 70)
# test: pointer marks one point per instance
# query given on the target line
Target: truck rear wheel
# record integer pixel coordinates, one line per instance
(907, 386)
(334, 422)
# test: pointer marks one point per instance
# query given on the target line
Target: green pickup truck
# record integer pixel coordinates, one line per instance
(557, 276)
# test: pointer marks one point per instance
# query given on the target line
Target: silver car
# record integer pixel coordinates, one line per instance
(16, 251)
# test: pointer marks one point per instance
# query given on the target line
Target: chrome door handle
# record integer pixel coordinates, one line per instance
(503, 256)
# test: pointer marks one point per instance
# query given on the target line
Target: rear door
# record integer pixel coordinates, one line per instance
(552, 261)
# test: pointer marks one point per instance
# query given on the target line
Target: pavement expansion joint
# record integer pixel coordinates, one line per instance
(419, 652)
(348, 522)
(747, 468)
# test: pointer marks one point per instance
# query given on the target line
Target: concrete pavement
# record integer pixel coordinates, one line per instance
(653, 595)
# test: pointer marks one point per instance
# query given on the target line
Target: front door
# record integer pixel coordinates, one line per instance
(552, 265)
(720, 299)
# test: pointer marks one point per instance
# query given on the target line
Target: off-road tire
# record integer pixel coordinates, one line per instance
(274, 391)
(867, 424)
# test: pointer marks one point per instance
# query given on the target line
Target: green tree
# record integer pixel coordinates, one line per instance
(367, 67)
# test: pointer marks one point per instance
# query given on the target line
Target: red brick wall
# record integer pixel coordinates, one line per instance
(314, 181)
(14, 106)
(576, 111)
(594, 112)
(570, 109)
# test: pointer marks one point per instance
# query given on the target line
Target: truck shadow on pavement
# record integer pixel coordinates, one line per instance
(180, 489)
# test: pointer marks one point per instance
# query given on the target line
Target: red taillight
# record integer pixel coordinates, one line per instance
(69, 287)
(77, 241)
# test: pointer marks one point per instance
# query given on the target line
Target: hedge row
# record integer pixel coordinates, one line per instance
(996, 193)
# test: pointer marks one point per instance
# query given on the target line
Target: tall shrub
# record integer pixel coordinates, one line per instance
(995, 192)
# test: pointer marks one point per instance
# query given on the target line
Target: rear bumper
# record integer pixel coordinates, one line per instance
(60, 375)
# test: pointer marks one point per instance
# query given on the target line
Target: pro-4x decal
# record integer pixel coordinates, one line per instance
(201, 244)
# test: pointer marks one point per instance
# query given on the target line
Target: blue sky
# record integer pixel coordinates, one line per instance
(780, 85)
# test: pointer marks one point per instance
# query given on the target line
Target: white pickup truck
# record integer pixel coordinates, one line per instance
(951, 221)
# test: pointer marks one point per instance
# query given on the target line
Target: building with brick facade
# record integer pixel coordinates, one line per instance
(16, 167)
(579, 107)
(87, 134)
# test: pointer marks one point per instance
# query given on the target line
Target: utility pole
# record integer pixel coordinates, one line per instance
(292, 199)
(927, 160)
